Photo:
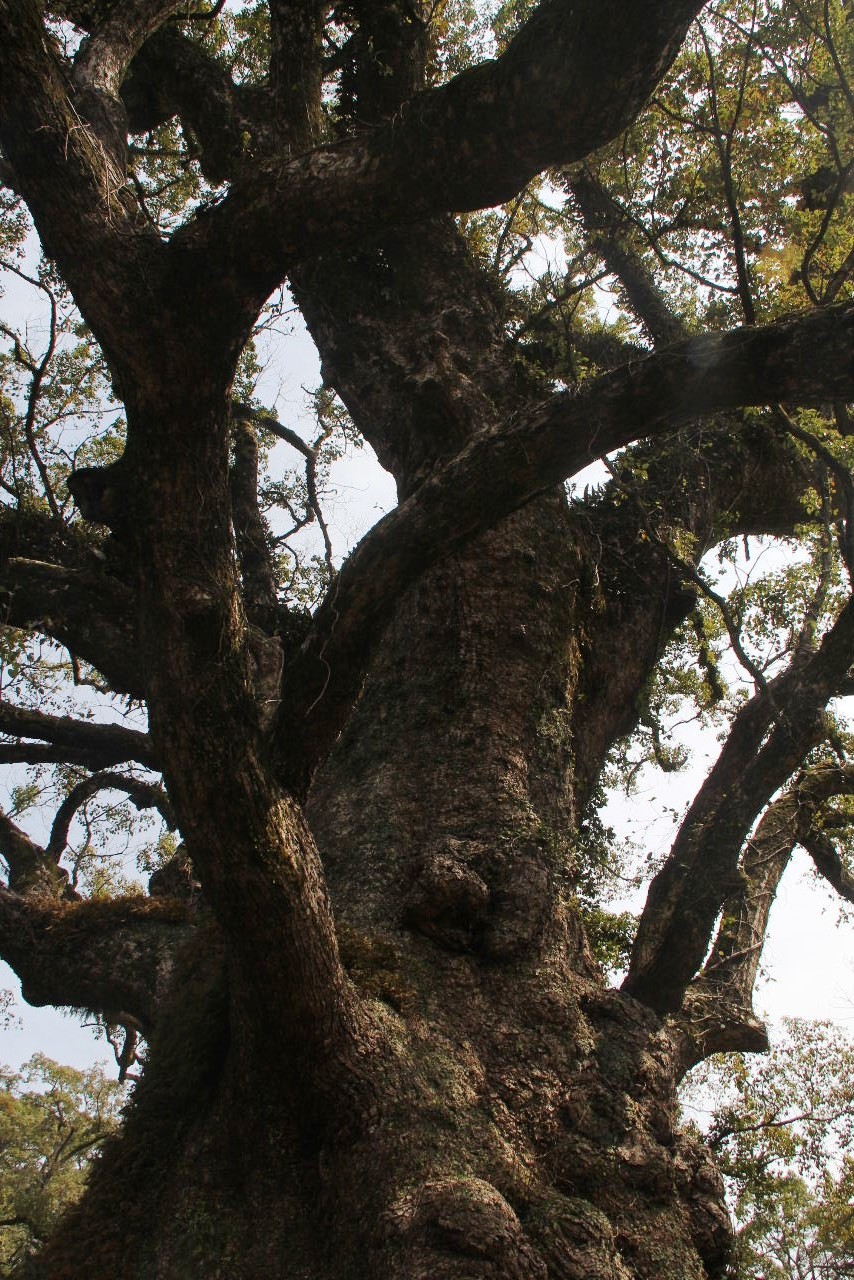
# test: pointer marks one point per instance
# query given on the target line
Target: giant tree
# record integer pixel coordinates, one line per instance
(378, 1041)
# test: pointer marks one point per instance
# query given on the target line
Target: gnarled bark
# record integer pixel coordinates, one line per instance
(379, 1045)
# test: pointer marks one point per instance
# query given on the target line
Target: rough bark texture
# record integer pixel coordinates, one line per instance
(380, 1047)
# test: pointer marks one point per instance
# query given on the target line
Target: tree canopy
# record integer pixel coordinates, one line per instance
(52, 1120)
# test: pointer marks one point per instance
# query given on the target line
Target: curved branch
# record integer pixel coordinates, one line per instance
(105, 54)
(101, 63)
(143, 795)
(472, 143)
(100, 955)
(840, 278)
(502, 469)
(173, 75)
(707, 1023)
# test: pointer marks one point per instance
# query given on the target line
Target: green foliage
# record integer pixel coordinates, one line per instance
(53, 1119)
(610, 935)
(57, 409)
(732, 192)
(509, 17)
(600, 875)
(712, 175)
(782, 1126)
(460, 36)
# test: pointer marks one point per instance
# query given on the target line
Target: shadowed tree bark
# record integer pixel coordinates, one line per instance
(379, 1042)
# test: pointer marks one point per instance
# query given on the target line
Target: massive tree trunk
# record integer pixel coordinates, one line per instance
(379, 1043)
(499, 1112)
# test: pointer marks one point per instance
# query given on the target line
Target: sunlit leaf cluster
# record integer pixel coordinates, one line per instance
(783, 1128)
(53, 1119)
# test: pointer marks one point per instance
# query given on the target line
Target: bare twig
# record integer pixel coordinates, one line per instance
(310, 452)
(38, 371)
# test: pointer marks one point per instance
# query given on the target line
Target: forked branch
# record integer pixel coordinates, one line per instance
(701, 871)
(717, 1012)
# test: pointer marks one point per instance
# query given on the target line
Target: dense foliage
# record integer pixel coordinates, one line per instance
(783, 1127)
(52, 1121)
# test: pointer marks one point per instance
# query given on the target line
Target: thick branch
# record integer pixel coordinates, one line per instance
(108, 743)
(39, 753)
(701, 870)
(101, 955)
(90, 612)
(101, 63)
(105, 54)
(502, 469)
(708, 1023)
(251, 849)
(565, 86)
(607, 226)
(296, 66)
(172, 75)
(413, 341)
(86, 218)
(30, 869)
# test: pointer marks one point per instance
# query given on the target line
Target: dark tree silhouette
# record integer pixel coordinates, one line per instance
(379, 1043)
